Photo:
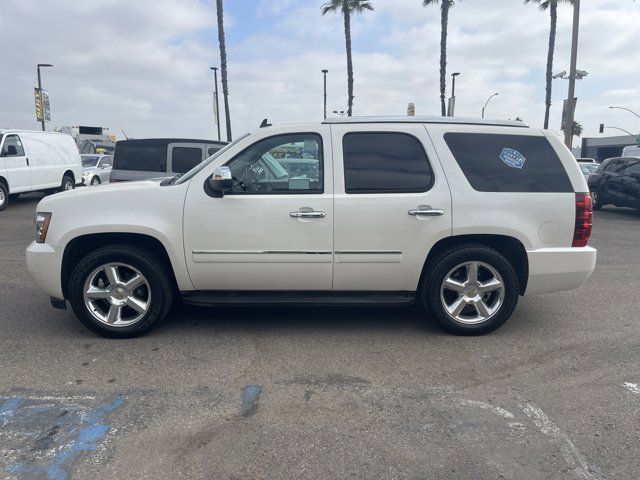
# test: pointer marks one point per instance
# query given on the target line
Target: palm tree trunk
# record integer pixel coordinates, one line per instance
(347, 37)
(553, 13)
(443, 55)
(223, 67)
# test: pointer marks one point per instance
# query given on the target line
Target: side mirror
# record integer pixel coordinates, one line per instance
(220, 182)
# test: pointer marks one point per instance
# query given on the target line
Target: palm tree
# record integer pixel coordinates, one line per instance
(223, 66)
(347, 8)
(552, 6)
(445, 5)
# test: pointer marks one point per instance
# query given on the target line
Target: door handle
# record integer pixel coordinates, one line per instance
(27, 161)
(311, 214)
(427, 211)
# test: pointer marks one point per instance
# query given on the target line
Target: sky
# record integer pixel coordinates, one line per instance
(143, 66)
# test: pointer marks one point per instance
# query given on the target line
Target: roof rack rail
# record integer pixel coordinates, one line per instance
(425, 119)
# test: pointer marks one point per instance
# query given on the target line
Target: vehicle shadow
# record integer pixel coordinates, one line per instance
(187, 317)
(618, 212)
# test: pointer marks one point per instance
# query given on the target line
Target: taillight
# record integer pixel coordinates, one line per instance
(584, 220)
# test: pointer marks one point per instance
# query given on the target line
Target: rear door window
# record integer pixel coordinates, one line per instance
(508, 163)
(184, 159)
(142, 158)
(385, 162)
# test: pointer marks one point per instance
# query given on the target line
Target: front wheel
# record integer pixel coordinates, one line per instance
(95, 181)
(4, 196)
(596, 200)
(470, 290)
(120, 291)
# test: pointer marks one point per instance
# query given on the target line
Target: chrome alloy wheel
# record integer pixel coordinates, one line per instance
(68, 186)
(472, 292)
(2, 197)
(117, 294)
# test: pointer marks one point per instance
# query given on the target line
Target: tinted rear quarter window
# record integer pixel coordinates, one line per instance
(184, 159)
(142, 158)
(380, 162)
(508, 163)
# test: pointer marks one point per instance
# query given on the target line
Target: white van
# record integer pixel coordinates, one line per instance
(37, 161)
(631, 151)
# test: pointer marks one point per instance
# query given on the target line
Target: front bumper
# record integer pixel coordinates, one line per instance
(555, 269)
(44, 263)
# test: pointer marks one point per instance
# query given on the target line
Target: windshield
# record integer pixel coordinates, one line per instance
(586, 169)
(187, 176)
(90, 160)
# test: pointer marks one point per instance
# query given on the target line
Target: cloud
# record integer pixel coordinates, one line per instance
(143, 65)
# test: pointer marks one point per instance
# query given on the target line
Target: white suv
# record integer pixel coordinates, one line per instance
(459, 215)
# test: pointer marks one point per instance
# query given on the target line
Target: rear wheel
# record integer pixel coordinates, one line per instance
(67, 184)
(120, 291)
(4, 196)
(470, 290)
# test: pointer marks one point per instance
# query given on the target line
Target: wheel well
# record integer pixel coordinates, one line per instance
(79, 247)
(510, 247)
(4, 181)
(69, 173)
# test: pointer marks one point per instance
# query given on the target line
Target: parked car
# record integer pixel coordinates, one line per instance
(588, 169)
(458, 215)
(37, 161)
(96, 169)
(616, 182)
(142, 159)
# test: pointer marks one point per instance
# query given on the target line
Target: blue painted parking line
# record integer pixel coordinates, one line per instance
(43, 435)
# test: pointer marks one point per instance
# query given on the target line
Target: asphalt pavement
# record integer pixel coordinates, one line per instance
(326, 393)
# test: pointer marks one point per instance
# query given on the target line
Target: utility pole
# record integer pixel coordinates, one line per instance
(40, 90)
(568, 127)
(324, 73)
(215, 98)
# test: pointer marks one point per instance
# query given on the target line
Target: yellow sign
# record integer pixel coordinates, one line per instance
(38, 99)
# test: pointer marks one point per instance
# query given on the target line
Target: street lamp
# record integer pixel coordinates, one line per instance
(42, 65)
(452, 100)
(487, 102)
(324, 73)
(215, 98)
(627, 109)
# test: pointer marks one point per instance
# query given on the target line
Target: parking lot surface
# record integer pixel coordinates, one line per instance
(266, 393)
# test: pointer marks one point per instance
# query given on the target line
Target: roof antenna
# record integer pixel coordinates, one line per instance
(125, 135)
(265, 123)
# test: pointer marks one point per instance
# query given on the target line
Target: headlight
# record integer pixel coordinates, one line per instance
(86, 175)
(42, 225)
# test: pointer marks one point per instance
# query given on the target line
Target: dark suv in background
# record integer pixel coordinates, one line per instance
(616, 182)
(141, 159)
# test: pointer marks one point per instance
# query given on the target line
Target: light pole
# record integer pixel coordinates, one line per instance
(627, 109)
(215, 98)
(43, 65)
(324, 73)
(452, 100)
(568, 126)
(621, 129)
(487, 102)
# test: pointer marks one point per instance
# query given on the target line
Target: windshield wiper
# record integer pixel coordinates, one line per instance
(172, 180)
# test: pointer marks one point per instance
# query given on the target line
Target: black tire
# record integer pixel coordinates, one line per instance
(67, 183)
(95, 181)
(596, 199)
(4, 196)
(442, 266)
(155, 272)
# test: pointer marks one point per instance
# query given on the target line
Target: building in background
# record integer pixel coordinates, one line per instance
(601, 148)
